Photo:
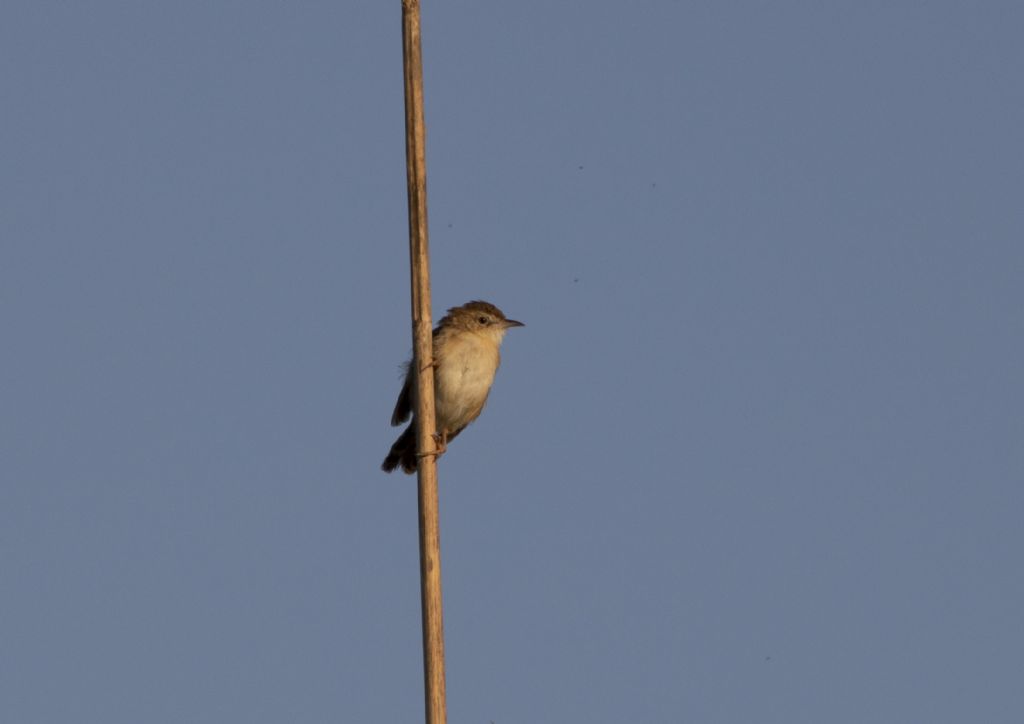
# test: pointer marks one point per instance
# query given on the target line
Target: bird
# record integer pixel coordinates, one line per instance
(466, 344)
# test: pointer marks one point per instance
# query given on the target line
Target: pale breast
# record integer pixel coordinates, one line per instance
(463, 379)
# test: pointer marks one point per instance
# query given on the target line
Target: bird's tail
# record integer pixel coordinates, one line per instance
(403, 453)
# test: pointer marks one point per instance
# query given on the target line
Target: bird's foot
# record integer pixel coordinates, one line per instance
(440, 446)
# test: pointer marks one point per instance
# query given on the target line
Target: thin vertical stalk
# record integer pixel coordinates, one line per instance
(419, 260)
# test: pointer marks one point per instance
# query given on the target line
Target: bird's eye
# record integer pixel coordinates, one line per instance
(482, 320)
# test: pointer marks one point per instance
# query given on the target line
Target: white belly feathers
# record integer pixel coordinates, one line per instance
(462, 380)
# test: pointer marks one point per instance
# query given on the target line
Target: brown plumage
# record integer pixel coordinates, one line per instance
(466, 346)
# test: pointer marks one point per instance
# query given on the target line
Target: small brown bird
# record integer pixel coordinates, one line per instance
(466, 356)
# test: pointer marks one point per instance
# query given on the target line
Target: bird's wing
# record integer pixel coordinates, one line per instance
(403, 408)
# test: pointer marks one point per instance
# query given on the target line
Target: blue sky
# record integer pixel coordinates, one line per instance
(755, 457)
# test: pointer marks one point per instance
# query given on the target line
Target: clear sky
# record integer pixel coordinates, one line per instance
(756, 457)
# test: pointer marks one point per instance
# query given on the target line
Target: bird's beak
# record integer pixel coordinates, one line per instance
(513, 323)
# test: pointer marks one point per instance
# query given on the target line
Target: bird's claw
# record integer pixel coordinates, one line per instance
(440, 446)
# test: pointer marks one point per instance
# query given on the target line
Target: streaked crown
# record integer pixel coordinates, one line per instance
(478, 315)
